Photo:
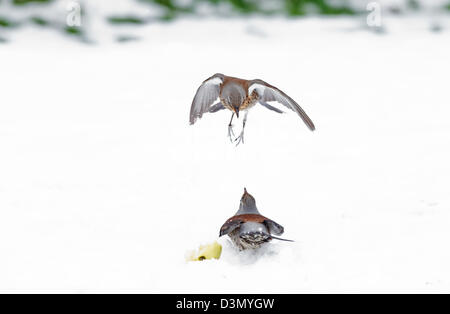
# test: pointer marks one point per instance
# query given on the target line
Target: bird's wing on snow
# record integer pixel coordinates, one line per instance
(206, 94)
(230, 225)
(267, 92)
(276, 229)
(273, 227)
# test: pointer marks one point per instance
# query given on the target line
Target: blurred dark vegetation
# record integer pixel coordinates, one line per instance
(168, 10)
(172, 9)
(22, 2)
(286, 7)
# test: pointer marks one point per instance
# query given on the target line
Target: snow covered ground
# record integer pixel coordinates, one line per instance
(104, 185)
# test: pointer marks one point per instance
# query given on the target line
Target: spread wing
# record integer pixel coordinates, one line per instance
(273, 227)
(267, 92)
(206, 94)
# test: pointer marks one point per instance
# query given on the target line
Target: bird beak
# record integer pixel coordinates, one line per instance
(236, 110)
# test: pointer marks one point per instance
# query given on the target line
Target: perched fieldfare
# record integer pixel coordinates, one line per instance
(248, 229)
(238, 95)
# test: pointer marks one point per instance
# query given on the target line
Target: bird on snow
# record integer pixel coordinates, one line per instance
(239, 95)
(248, 229)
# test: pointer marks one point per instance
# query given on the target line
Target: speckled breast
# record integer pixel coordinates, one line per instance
(250, 101)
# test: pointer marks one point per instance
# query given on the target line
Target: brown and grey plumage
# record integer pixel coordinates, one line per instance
(239, 95)
(248, 229)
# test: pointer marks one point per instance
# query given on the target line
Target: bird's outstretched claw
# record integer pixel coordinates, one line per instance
(240, 138)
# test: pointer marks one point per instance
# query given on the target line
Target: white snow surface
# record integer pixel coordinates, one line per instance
(104, 185)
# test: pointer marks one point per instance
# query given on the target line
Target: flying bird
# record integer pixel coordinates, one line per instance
(248, 229)
(239, 95)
